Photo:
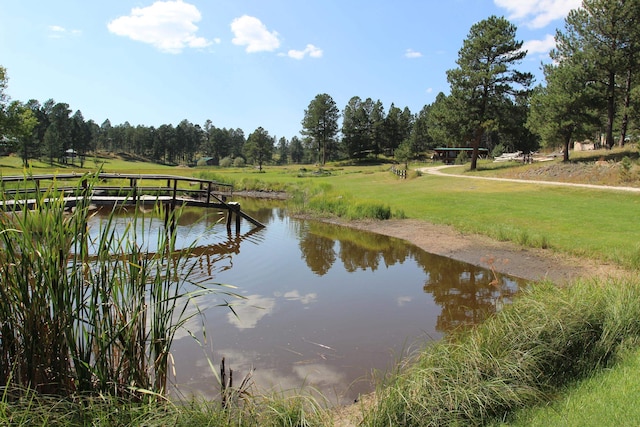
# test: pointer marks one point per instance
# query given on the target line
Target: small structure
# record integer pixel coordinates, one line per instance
(449, 155)
(586, 145)
(206, 161)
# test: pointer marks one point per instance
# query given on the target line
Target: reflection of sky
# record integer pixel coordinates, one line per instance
(249, 311)
(304, 299)
(297, 327)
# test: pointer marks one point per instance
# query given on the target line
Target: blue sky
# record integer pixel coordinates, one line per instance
(247, 63)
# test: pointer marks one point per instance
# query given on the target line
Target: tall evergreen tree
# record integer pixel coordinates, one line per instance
(605, 34)
(320, 122)
(259, 147)
(485, 77)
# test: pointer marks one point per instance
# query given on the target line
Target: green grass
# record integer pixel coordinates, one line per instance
(608, 398)
(531, 351)
(90, 316)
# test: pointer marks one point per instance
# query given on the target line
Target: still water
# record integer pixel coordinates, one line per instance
(324, 306)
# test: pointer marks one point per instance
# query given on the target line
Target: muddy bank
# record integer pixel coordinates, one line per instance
(505, 257)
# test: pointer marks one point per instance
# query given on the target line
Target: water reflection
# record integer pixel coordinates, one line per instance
(322, 305)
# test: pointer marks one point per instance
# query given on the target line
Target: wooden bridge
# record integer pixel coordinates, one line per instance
(124, 190)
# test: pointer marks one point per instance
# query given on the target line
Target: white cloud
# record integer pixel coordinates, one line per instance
(310, 50)
(429, 90)
(410, 53)
(538, 13)
(251, 32)
(167, 25)
(534, 47)
(57, 32)
(304, 299)
(249, 311)
(402, 300)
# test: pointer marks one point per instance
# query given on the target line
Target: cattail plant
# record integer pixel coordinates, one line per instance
(81, 314)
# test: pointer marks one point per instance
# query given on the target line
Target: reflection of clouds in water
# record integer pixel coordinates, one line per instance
(196, 313)
(311, 374)
(304, 299)
(319, 374)
(403, 300)
(250, 310)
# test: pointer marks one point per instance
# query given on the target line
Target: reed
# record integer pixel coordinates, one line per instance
(549, 338)
(85, 315)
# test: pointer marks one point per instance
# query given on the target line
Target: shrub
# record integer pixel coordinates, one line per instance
(226, 162)
(238, 162)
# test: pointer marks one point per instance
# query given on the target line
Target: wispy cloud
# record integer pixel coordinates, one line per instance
(167, 25)
(535, 47)
(58, 32)
(252, 33)
(411, 54)
(538, 13)
(311, 50)
(304, 299)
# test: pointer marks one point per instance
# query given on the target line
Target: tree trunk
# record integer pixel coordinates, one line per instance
(625, 115)
(567, 141)
(611, 109)
(475, 145)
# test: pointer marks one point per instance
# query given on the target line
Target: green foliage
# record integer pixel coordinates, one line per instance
(548, 338)
(485, 86)
(497, 151)
(320, 122)
(226, 162)
(238, 162)
(90, 316)
(462, 158)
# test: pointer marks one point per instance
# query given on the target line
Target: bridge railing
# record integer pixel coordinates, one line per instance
(114, 184)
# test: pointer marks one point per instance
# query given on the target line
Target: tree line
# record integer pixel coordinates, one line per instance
(590, 91)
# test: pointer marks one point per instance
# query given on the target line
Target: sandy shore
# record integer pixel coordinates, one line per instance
(506, 257)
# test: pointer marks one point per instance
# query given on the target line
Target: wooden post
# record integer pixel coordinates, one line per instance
(175, 193)
(238, 221)
(208, 193)
(229, 213)
(133, 183)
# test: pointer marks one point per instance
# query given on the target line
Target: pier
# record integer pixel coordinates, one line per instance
(116, 189)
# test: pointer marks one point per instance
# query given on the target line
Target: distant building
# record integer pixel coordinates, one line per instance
(449, 155)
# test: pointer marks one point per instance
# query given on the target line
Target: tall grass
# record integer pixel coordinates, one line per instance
(81, 315)
(547, 339)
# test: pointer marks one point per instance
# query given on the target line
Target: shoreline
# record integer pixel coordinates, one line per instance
(504, 257)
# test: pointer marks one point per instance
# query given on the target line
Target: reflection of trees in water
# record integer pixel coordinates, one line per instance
(354, 257)
(358, 249)
(464, 291)
(318, 253)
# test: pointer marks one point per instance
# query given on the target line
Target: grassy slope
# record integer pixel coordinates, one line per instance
(608, 398)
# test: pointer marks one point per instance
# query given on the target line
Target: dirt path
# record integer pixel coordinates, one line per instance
(437, 170)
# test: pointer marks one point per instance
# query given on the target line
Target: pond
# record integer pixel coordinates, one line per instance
(324, 306)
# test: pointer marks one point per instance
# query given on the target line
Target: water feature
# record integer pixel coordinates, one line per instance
(324, 306)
